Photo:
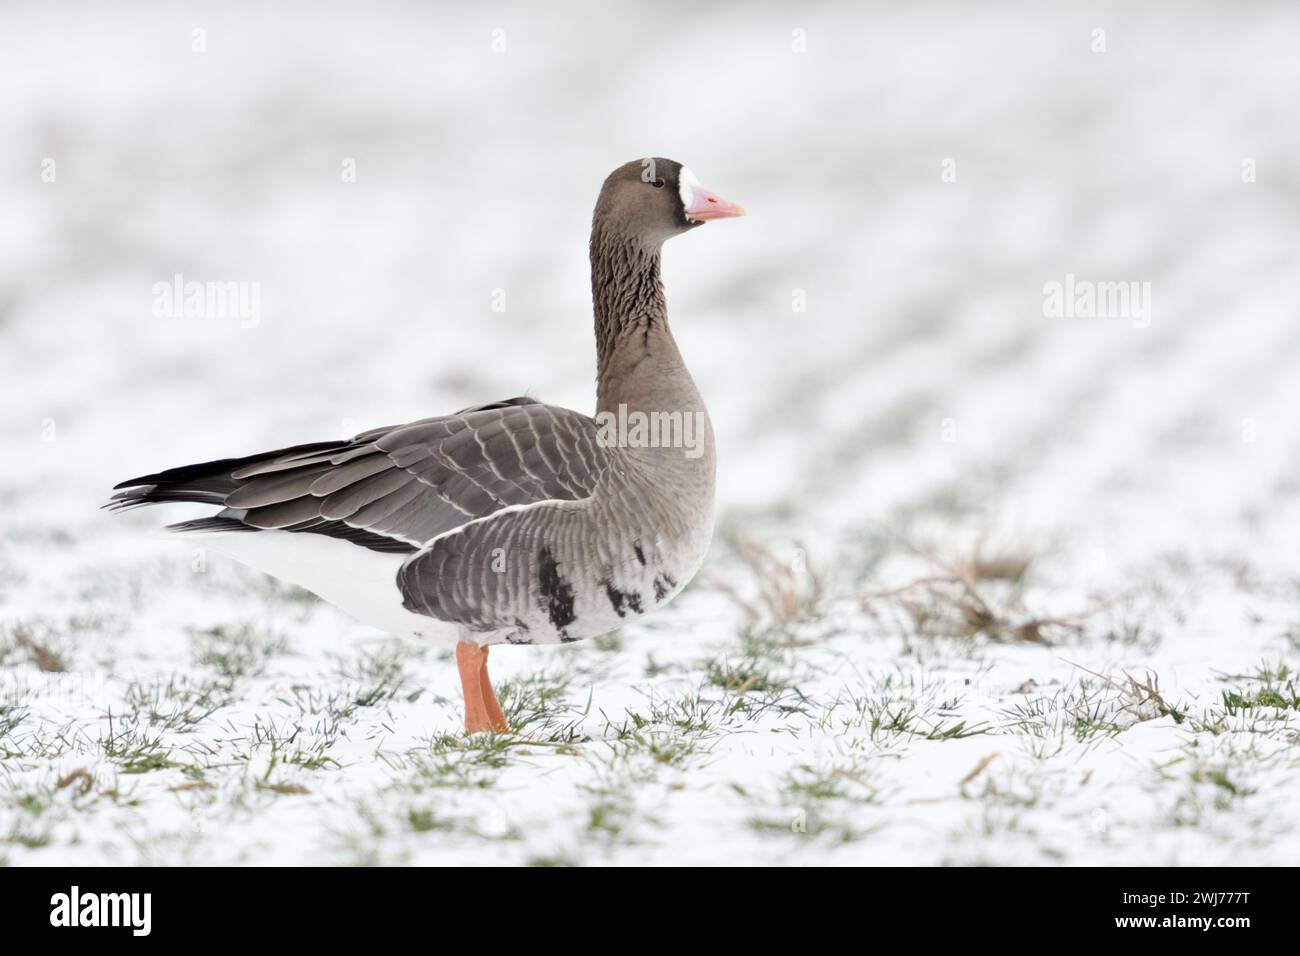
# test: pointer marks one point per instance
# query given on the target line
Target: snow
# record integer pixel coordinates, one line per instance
(922, 403)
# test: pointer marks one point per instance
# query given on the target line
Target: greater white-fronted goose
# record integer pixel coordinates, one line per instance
(516, 521)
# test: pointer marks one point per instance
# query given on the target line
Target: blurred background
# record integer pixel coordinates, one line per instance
(871, 339)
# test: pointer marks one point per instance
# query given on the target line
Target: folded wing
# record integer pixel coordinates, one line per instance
(395, 488)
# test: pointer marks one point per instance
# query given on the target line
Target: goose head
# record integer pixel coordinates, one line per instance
(654, 199)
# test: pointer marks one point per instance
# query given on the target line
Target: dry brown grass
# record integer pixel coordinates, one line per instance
(976, 595)
(82, 777)
(1141, 699)
(785, 590)
(978, 769)
(38, 652)
(1004, 566)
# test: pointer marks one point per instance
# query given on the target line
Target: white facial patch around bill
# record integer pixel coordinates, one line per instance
(686, 183)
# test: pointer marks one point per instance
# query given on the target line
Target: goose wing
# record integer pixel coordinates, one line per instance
(395, 488)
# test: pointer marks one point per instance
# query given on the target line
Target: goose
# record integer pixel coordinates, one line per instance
(512, 522)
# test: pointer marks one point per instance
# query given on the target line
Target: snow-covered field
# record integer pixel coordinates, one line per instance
(990, 586)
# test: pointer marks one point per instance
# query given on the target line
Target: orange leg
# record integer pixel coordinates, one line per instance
(482, 711)
(496, 719)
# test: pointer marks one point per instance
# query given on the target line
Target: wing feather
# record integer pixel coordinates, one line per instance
(400, 486)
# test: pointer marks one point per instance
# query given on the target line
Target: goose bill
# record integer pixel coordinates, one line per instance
(706, 204)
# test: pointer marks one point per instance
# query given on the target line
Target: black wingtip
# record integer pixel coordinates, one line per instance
(212, 523)
(124, 499)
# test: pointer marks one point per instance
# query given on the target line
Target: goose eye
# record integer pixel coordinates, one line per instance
(658, 183)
